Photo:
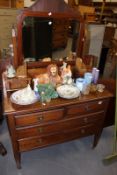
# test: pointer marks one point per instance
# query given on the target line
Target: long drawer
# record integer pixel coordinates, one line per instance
(36, 142)
(59, 126)
(87, 108)
(41, 117)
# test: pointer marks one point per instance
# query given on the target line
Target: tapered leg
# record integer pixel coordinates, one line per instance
(96, 139)
(18, 159)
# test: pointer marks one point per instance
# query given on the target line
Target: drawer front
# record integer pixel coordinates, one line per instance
(57, 127)
(87, 108)
(59, 28)
(59, 43)
(60, 36)
(31, 143)
(25, 120)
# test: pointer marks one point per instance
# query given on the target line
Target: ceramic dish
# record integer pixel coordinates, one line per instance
(68, 91)
(100, 87)
(23, 97)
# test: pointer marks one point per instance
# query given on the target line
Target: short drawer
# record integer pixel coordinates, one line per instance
(59, 126)
(30, 119)
(60, 36)
(87, 108)
(31, 143)
(60, 28)
(59, 43)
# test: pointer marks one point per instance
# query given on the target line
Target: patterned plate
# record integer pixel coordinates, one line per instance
(68, 91)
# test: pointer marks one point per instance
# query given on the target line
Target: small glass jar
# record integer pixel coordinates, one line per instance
(79, 83)
(86, 89)
(88, 77)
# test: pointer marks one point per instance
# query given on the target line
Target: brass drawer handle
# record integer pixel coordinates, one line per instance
(100, 102)
(82, 131)
(87, 108)
(40, 130)
(40, 118)
(85, 119)
(39, 141)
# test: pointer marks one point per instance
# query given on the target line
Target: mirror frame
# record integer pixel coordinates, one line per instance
(56, 9)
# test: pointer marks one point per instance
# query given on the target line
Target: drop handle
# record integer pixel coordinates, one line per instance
(40, 118)
(85, 119)
(82, 131)
(87, 108)
(39, 141)
(40, 130)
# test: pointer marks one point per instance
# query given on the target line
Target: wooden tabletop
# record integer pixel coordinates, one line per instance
(10, 107)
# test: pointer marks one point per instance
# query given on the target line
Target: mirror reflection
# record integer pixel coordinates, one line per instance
(45, 38)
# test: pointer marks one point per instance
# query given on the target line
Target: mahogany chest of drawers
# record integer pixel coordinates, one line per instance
(60, 34)
(37, 126)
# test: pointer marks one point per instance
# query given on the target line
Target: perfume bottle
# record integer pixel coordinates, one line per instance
(96, 77)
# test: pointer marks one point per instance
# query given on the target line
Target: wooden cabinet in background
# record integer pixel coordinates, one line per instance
(19, 3)
(60, 34)
(79, 2)
(7, 20)
(7, 3)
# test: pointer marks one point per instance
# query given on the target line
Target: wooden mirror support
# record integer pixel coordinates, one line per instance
(55, 9)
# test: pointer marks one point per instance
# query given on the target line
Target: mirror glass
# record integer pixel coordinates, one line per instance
(49, 37)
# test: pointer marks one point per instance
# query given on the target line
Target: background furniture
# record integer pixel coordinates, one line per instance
(7, 20)
(60, 33)
(110, 83)
(12, 3)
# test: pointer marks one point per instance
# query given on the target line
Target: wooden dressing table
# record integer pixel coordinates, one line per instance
(37, 126)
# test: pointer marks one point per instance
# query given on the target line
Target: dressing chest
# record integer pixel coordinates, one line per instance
(37, 126)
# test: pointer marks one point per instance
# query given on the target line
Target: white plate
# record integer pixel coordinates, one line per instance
(68, 91)
(17, 98)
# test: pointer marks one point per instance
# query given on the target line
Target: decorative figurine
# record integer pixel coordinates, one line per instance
(52, 71)
(51, 76)
(10, 71)
(66, 74)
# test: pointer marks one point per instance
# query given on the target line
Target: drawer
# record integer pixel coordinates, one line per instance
(87, 108)
(40, 117)
(59, 36)
(59, 43)
(31, 143)
(61, 22)
(59, 28)
(59, 126)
